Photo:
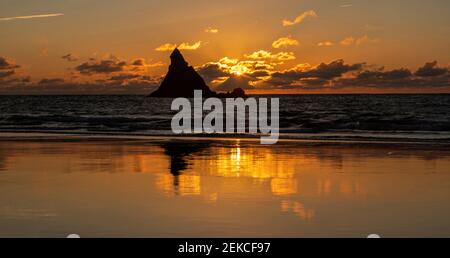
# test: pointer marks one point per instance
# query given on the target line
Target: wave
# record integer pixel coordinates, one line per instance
(303, 116)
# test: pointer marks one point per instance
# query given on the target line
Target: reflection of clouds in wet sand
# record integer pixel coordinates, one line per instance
(289, 172)
(298, 209)
(299, 179)
(184, 185)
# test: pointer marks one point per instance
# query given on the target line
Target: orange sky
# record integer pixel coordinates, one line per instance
(109, 47)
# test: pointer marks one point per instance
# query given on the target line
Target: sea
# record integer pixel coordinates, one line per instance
(315, 117)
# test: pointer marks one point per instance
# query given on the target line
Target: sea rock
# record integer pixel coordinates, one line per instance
(236, 93)
(182, 80)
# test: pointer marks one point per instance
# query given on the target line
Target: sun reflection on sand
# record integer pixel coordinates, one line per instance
(294, 182)
(298, 209)
(258, 164)
(283, 186)
(183, 185)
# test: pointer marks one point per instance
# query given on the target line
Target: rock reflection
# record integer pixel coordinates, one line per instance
(180, 155)
(292, 177)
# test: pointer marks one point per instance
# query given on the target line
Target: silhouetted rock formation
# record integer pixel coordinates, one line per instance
(182, 80)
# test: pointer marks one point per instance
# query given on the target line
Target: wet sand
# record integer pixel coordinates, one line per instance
(105, 187)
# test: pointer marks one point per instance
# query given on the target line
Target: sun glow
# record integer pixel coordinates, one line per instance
(239, 69)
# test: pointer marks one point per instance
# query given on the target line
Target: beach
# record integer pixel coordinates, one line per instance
(56, 185)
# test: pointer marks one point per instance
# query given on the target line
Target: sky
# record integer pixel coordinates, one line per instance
(263, 46)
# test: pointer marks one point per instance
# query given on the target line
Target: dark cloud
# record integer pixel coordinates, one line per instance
(140, 85)
(332, 70)
(259, 73)
(51, 81)
(124, 77)
(6, 65)
(138, 62)
(4, 74)
(7, 69)
(212, 71)
(114, 76)
(321, 72)
(113, 65)
(397, 74)
(235, 81)
(431, 70)
(80, 89)
(101, 67)
(427, 76)
(70, 57)
(337, 75)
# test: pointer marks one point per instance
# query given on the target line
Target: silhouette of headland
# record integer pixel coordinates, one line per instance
(182, 80)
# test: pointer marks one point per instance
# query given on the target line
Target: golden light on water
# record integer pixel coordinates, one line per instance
(298, 209)
(283, 186)
(183, 185)
(258, 164)
(219, 182)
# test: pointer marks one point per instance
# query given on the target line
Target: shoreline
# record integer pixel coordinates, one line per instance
(108, 137)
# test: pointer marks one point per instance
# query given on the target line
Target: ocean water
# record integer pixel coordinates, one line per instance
(406, 117)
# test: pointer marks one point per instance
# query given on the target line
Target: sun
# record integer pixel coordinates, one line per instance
(239, 69)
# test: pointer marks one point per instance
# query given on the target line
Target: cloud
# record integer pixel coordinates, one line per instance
(54, 81)
(31, 17)
(102, 66)
(135, 80)
(166, 47)
(366, 39)
(113, 84)
(140, 63)
(182, 46)
(187, 46)
(212, 30)
(285, 42)
(235, 81)
(228, 73)
(213, 71)
(106, 76)
(325, 44)
(6, 65)
(263, 54)
(348, 41)
(114, 65)
(124, 77)
(7, 68)
(306, 73)
(256, 71)
(359, 41)
(300, 18)
(396, 74)
(135, 86)
(334, 69)
(4, 74)
(70, 57)
(431, 70)
(339, 75)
